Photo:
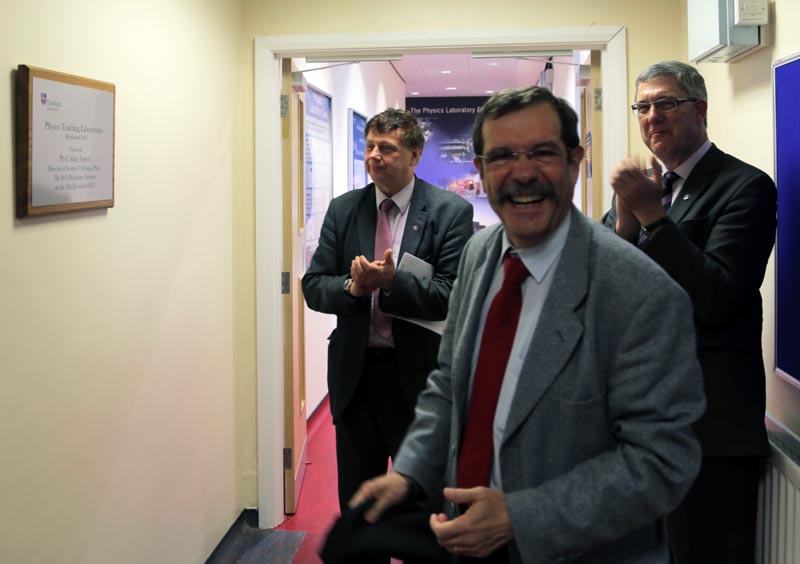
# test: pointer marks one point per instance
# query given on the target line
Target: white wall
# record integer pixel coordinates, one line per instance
(117, 410)
(565, 85)
(368, 88)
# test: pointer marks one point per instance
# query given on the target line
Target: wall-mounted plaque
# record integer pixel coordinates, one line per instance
(64, 142)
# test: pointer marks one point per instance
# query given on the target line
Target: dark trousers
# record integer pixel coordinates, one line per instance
(499, 556)
(373, 424)
(716, 522)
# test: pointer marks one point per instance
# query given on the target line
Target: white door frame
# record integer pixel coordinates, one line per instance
(269, 50)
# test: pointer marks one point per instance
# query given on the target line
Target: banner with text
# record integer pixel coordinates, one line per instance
(447, 158)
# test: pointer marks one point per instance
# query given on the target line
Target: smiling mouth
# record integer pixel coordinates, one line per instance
(525, 200)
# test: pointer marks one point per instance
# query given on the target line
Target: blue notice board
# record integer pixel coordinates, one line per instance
(786, 89)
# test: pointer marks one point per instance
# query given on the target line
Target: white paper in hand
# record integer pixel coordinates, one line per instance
(424, 271)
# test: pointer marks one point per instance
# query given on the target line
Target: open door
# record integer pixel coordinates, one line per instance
(591, 108)
(294, 452)
(596, 206)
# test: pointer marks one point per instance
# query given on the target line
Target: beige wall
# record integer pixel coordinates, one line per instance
(127, 337)
(646, 42)
(117, 327)
(740, 122)
(655, 31)
(653, 28)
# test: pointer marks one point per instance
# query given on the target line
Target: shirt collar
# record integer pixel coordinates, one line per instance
(540, 258)
(402, 199)
(685, 168)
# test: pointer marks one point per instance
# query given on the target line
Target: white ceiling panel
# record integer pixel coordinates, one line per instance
(468, 76)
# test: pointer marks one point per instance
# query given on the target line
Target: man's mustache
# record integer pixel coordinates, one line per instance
(514, 189)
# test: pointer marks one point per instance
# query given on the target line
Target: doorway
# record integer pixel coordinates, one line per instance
(609, 41)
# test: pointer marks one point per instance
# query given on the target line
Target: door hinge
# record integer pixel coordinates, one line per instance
(284, 282)
(598, 99)
(284, 105)
(287, 459)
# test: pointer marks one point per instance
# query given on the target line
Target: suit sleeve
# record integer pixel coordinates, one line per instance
(720, 259)
(323, 282)
(410, 296)
(609, 219)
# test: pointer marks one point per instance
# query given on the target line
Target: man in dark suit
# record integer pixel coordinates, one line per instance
(714, 240)
(377, 364)
(589, 430)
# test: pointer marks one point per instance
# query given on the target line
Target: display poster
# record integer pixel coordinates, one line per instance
(358, 144)
(447, 157)
(319, 169)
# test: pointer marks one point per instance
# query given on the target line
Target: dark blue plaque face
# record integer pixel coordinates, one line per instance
(787, 177)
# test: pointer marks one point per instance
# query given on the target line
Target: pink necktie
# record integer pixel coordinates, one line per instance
(475, 458)
(381, 322)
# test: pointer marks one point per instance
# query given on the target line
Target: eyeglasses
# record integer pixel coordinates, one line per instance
(662, 106)
(501, 159)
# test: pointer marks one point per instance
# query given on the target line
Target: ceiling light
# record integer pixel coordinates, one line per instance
(353, 58)
(447, 72)
(490, 91)
(451, 88)
(518, 54)
(492, 64)
(415, 93)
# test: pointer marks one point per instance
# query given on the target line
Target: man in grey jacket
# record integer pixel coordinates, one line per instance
(591, 430)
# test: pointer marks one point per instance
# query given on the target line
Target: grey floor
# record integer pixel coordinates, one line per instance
(245, 543)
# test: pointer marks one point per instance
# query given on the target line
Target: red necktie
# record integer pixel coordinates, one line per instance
(381, 322)
(477, 446)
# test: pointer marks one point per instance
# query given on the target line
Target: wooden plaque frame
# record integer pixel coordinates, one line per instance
(28, 192)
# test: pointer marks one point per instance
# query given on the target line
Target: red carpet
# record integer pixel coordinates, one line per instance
(318, 505)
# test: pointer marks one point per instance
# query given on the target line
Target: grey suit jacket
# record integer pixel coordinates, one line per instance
(438, 225)
(598, 445)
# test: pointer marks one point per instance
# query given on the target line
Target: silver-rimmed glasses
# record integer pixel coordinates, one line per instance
(662, 105)
(501, 158)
